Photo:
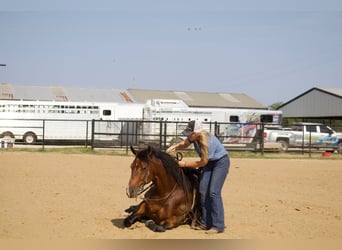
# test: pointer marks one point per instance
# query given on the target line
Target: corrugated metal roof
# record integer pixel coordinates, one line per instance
(59, 93)
(191, 98)
(200, 99)
(334, 91)
(99, 95)
(12, 91)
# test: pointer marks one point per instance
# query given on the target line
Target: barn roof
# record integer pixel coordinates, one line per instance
(59, 93)
(200, 99)
(191, 98)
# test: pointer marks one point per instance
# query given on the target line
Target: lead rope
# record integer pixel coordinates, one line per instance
(166, 197)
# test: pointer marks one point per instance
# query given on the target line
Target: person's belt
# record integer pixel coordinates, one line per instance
(219, 158)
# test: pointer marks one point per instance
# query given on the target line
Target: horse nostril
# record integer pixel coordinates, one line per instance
(129, 192)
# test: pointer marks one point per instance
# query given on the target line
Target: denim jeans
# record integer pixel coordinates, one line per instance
(211, 182)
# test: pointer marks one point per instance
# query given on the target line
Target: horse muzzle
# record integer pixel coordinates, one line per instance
(133, 192)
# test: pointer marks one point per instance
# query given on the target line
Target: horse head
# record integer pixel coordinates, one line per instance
(140, 172)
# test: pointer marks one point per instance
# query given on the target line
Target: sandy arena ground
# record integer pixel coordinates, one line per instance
(78, 196)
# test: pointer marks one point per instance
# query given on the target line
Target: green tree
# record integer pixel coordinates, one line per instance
(275, 105)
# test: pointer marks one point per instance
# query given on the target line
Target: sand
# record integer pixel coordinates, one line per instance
(82, 196)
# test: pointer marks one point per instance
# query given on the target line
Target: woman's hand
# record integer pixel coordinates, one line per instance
(172, 148)
(181, 164)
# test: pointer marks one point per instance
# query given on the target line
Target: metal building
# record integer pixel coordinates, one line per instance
(316, 104)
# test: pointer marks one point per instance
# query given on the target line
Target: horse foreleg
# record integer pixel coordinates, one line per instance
(136, 214)
(132, 209)
(169, 223)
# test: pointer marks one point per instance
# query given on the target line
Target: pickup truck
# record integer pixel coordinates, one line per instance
(303, 134)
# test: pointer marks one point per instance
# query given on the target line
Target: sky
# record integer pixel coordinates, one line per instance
(270, 50)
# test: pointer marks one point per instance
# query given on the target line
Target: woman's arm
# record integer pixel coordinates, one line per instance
(182, 144)
(193, 164)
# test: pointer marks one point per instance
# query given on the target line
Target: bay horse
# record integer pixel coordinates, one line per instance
(170, 200)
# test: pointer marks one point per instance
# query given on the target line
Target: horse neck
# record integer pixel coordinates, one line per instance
(162, 180)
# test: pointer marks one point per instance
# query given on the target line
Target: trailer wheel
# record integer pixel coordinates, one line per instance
(29, 138)
(7, 135)
(284, 145)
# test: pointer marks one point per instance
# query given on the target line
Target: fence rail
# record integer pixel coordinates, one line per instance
(138, 133)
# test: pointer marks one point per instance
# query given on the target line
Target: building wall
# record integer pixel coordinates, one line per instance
(315, 103)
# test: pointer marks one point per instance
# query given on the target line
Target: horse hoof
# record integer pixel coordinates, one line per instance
(154, 227)
(150, 223)
(127, 222)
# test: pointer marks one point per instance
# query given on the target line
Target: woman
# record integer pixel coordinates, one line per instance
(215, 162)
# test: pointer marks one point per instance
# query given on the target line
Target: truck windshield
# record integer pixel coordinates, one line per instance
(326, 129)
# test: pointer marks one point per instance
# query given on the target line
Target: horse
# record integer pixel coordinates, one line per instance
(171, 198)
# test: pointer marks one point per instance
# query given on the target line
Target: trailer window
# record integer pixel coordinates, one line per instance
(107, 112)
(234, 118)
(266, 118)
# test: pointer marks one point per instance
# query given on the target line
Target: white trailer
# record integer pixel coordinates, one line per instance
(238, 125)
(31, 120)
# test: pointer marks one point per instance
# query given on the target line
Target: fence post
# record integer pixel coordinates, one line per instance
(216, 129)
(160, 133)
(259, 137)
(303, 137)
(86, 140)
(92, 133)
(43, 143)
(310, 143)
(262, 138)
(165, 135)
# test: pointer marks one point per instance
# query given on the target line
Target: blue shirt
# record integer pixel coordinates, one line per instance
(215, 148)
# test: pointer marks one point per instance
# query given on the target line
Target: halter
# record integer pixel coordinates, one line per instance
(141, 188)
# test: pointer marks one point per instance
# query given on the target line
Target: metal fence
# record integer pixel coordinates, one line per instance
(44, 132)
(161, 134)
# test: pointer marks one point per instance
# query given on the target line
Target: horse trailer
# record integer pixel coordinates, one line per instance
(30, 121)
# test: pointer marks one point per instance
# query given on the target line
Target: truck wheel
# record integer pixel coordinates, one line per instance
(29, 138)
(339, 148)
(284, 145)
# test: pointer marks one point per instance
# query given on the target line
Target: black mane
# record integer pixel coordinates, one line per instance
(169, 162)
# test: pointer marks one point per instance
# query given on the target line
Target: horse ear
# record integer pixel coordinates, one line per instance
(149, 150)
(133, 150)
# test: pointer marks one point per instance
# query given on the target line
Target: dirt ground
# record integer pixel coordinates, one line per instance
(82, 196)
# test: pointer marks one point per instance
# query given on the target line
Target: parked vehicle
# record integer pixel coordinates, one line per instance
(303, 134)
(29, 121)
(234, 126)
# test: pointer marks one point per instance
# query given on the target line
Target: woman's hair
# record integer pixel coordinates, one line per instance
(203, 140)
